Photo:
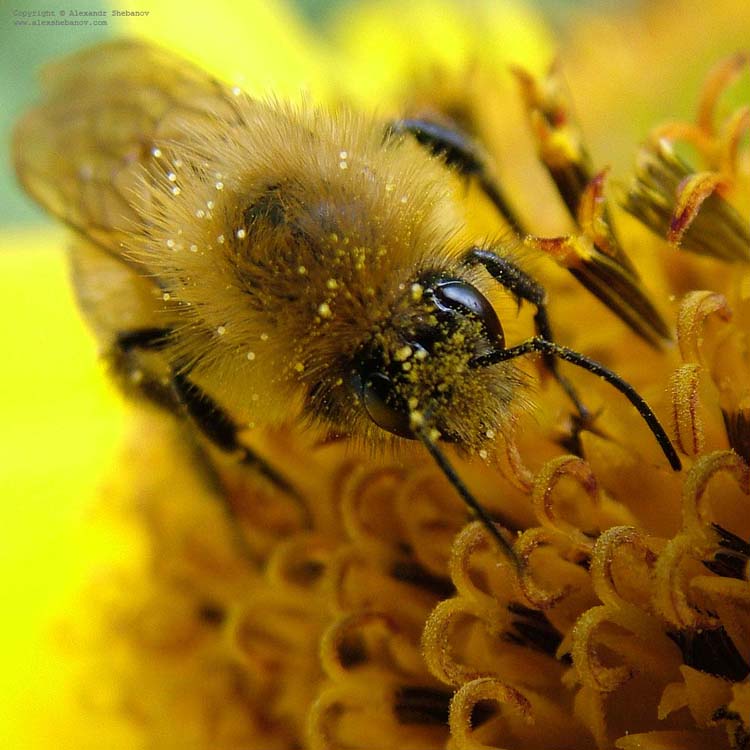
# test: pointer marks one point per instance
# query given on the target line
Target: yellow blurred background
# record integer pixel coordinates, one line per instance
(629, 66)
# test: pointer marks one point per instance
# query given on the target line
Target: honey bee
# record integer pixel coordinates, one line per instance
(243, 261)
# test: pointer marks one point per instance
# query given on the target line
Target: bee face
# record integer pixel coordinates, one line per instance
(255, 262)
(424, 363)
(306, 263)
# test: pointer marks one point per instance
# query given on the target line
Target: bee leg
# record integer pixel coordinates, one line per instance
(461, 153)
(132, 376)
(452, 476)
(544, 347)
(220, 428)
(524, 287)
(212, 421)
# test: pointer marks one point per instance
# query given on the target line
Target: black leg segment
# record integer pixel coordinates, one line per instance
(549, 348)
(450, 473)
(207, 415)
(461, 153)
(524, 288)
(149, 339)
(220, 429)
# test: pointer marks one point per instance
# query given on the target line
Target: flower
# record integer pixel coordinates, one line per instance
(365, 610)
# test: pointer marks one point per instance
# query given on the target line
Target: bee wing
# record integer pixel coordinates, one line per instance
(85, 153)
(117, 300)
(113, 296)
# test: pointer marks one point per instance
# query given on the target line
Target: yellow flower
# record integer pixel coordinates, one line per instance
(362, 610)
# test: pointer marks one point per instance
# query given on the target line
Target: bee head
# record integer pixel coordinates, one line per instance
(420, 365)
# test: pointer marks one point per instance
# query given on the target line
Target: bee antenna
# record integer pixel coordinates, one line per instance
(543, 346)
(466, 495)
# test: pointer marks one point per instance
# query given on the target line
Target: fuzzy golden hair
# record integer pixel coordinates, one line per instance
(273, 241)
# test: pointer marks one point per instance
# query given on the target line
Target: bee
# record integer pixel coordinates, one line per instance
(243, 261)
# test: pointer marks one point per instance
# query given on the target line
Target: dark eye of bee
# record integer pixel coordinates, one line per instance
(384, 406)
(454, 299)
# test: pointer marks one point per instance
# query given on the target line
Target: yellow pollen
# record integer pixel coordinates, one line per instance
(403, 353)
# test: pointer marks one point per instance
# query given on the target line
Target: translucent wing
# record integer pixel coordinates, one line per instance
(84, 151)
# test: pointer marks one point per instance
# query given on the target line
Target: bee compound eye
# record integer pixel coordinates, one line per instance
(460, 298)
(384, 406)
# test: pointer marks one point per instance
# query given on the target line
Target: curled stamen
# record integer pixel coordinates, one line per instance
(299, 562)
(695, 308)
(470, 695)
(369, 639)
(672, 581)
(591, 670)
(703, 222)
(363, 498)
(626, 635)
(721, 76)
(695, 517)
(438, 636)
(509, 459)
(431, 517)
(331, 714)
(543, 497)
(473, 540)
(356, 581)
(603, 560)
(276, 624)
(733, 132)
(691, 194)
(535, 594)
(687, 423)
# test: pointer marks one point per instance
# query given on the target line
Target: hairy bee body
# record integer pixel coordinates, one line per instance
(276, 246)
